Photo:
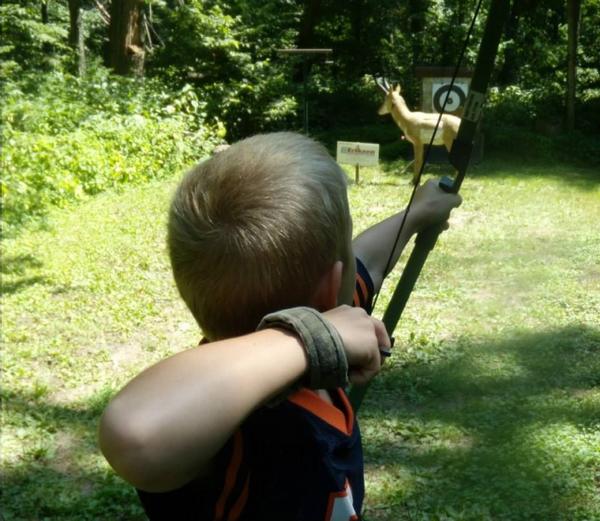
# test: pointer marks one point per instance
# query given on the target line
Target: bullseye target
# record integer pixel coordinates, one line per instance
(457, 95)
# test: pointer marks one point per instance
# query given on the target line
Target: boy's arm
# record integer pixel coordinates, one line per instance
(431, 205)
(168, 424)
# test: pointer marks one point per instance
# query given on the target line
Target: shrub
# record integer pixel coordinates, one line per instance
(27, 42)
(69, 138)
(528, 123)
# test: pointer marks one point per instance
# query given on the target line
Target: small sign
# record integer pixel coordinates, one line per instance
(362, 154)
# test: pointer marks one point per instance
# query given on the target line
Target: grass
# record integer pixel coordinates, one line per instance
(488, 410)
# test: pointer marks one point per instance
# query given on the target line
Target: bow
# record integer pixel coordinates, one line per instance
(459, 158)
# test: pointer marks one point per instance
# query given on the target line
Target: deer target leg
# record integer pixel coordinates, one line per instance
(418, 149)
(449, 139)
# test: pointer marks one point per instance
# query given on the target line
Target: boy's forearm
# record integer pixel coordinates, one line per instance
(166, 425)
(431, 205)
(374, 246)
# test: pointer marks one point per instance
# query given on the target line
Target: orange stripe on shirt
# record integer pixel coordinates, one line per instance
(231, 474)
(363, 287)
(240, 503)
(311, 401)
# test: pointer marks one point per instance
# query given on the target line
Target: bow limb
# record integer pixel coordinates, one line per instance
(459, 158)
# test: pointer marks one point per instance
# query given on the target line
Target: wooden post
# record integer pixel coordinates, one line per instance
(357, 173)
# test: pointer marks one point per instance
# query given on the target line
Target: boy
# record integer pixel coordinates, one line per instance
(254, 424)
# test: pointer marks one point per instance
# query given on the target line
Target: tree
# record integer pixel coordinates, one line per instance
(126, 45)
(76, 33)
(44, 11)
(306, 35)
(418, 10)
(573, 11)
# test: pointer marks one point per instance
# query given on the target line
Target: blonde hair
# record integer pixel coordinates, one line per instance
(252, 229)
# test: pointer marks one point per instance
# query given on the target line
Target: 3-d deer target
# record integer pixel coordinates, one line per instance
(417, 127)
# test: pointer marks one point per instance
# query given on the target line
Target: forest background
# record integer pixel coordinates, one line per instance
(96, 94)
(487, 412)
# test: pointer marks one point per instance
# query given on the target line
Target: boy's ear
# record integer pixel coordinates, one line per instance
(326, 294)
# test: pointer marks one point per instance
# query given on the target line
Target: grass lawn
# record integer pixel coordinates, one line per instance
(488, 410)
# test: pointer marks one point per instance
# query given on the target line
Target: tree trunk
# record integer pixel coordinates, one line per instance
(76, 34)
(573, 10)
(508, 73)
(310, 17)
(126, 45)
(356, 21)
(418, 11)
(44, 11)
(74, 22)
(306, 35)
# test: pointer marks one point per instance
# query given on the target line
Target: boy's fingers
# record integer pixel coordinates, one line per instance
(386, 352)
(380, 332)
(384, 342)
(365, 341)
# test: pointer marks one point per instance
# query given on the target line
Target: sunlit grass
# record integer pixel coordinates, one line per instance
(488, 410)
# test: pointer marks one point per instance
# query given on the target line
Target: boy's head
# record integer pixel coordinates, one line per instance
(254, 228)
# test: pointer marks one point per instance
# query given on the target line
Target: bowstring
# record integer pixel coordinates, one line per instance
(427, 150)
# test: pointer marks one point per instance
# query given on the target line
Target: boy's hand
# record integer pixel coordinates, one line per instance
(363, 336)
(431, 205)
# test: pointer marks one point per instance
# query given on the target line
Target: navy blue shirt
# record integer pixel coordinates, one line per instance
(300, 460)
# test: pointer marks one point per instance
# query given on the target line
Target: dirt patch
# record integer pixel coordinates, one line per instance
(66, 444)
(460, 218)
(112, 358)
(591, 276)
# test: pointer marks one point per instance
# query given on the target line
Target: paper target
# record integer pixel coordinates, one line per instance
(456, 96)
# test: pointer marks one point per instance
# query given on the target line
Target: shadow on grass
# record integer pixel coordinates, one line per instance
(53, 477)
(494, 430)
(18, 266)
(40, 492)
(507, 430)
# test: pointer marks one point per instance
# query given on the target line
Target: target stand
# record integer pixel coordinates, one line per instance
(435, 88)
